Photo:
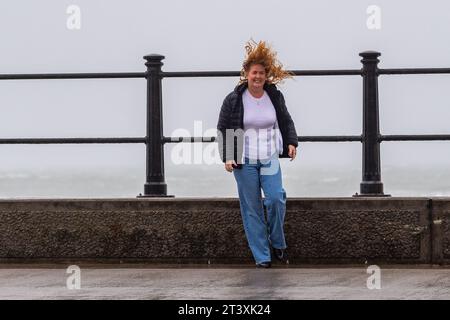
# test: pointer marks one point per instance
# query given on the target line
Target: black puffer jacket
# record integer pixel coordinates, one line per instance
(232, 117)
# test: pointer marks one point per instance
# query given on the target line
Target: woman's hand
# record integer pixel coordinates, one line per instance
(292, 152)
(229, 165)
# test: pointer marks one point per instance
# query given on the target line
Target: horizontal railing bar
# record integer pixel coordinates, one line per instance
(70, 140)
(330, 138)
(181, 74)
(353, 72)
(301, 139)
(423, 137)
(414, 71)
(186, 74)
(43, 76)
(431, 137)
(188, 139)
(193, 74)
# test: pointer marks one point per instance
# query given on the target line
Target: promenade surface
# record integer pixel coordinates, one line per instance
(222, 282)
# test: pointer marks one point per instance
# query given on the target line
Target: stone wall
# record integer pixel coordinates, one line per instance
(209, 230)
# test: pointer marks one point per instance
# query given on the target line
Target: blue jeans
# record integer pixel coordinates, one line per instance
(254, 175)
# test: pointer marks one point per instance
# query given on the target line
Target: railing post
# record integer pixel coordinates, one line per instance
(155, 185)
(371, 184)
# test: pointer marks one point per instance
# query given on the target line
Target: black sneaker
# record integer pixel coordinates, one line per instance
(281, 255)
(265, 264)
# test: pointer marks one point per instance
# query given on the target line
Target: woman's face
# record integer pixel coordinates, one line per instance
(256, 76)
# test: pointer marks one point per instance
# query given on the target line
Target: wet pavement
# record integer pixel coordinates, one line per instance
(222, 282)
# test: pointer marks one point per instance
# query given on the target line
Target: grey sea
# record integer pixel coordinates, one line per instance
(214, 181)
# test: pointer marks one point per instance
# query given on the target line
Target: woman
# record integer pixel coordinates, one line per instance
(254, 130)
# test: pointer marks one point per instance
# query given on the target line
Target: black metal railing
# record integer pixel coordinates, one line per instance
(155, 185)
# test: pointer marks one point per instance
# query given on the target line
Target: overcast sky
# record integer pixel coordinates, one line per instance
(199, 35)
